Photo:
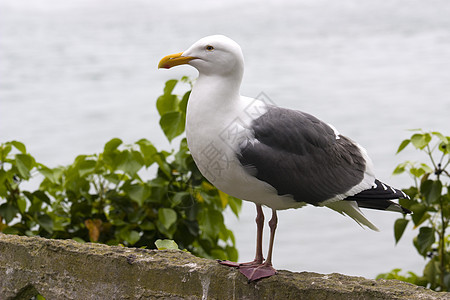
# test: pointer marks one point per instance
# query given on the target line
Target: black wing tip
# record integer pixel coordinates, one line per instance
(382, 204)
(379, 197)
(380, 191)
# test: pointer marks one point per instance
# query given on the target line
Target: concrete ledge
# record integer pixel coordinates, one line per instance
(65, 269)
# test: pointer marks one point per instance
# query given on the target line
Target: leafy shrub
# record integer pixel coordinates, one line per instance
(430, 204)
(105, 198)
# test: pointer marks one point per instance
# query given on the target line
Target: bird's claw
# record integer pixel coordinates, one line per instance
(254, 273)
(229, 263)
(252, 270)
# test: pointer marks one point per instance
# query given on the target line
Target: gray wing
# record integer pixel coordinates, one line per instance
(300, 155)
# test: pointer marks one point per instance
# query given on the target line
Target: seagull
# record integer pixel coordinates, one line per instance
(269, 155)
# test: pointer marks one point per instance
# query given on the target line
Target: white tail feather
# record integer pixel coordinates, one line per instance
(351, 209)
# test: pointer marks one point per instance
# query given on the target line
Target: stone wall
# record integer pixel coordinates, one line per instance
(65, 269)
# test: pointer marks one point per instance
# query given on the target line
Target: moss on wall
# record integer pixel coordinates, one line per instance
(65, 269)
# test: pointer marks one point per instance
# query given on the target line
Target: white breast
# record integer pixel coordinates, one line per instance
(214, 134)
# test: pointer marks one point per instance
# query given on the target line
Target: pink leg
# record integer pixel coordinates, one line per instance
(264, 270)
(273, 226)
(259, 234)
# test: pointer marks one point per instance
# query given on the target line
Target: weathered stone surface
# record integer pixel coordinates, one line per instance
(65, 269)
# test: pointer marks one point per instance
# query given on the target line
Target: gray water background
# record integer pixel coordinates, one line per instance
(74, 74)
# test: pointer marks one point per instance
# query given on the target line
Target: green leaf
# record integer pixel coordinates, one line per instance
(167, 217)
(169, 86)
(147, 225)
(130, 162)
(8, 212)
(426, 168)
(166, 244)
(130, 236)
(41, 195)
(440, 136)
(136, 216)
(231, 237)
(19, 146)
(5, 149)
(400, 169)
(431, 271)
(393, 274)
(417, 172)
(25, 164)
(431, 189)
(232, 253)
(173, 124)
(435, 192)
(183, 160)
(148, 151)
(192, 212)
(425, 240)
(420, 214)
(444, 147)
(179, 197)
(45, 222)
(166, 104)
(21, 204)
(86, 167)
(113, 178)
(160, 159)
(411, 277)
(399, 228)
(51, 174)
(36, 203)
(420, 140)
(403, 145)
(219, 253)
(186, 79)
(223, 198)
(211, 221)
(112, 145)
(235, 205)
(139, 193)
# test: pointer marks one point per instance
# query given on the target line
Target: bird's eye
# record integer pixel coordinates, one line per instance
(209, 48)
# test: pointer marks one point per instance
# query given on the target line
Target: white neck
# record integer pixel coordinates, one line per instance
(215, 92)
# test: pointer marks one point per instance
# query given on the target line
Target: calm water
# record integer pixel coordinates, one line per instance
(74, 74)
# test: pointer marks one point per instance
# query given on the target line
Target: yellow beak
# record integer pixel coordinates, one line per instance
(173, 60)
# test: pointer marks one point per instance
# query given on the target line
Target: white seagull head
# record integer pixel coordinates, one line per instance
(215, 55)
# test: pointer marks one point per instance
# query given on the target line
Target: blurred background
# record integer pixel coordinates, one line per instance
(76, 73)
